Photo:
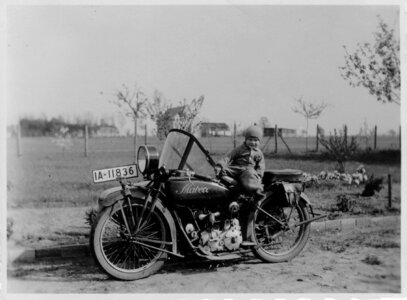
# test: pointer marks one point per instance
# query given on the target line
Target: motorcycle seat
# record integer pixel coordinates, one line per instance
(288, 175)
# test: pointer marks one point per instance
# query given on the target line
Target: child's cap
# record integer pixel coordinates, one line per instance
(254, 131)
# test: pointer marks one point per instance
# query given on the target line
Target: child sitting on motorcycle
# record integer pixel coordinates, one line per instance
(246, 162)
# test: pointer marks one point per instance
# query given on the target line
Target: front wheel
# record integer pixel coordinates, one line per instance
(277, 232)
(126, 248)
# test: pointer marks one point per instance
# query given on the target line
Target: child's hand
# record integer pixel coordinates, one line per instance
(218, 170)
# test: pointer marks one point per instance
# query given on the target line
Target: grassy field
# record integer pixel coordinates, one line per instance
(45, 176)
(49, 191)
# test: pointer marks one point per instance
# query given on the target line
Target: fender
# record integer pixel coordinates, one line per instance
(110, 196)
(302, 197)
(305, 199)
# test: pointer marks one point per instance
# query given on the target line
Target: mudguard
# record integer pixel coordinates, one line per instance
(300, 197)
(288, 193)
(305, 198)
(110, 196)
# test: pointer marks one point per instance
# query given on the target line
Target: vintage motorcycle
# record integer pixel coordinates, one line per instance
(184, 207)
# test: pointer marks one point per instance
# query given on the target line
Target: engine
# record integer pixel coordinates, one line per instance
(216, 240)
(216, 233)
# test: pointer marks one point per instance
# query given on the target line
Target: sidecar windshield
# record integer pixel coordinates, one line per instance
(182, 151)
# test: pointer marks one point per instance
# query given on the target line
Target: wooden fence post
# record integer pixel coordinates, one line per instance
(375, 138)
(135, 138)
(316, 149)
(18, 139)
(275, 138)
(234, 135)
(389, 188)
(281, 137)
(345, 134)
(145, 134)
(86, 140)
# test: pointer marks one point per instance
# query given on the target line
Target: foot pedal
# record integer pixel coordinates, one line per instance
(247, 244)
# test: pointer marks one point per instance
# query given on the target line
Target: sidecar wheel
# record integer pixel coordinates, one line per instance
(278, 244)
(118, 252)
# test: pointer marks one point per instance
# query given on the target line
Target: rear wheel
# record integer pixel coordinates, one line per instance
(125, 249)
(278, 237)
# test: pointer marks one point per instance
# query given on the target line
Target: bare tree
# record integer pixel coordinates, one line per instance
(134, 103)
(157, 110)
(376, 67)
(160, 112)
(264, 122)
(189, 113)
(309, 111)
(392, 133)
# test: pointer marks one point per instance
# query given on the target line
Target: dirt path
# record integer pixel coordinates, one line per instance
(365, 260)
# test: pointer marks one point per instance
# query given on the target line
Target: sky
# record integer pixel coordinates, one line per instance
(248, 61)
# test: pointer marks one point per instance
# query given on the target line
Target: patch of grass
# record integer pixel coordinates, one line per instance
(333, 247)
(381, 157)
(43, 177)
(371, 260)
(48, 226)
(383, 244)
(56, 181)
(325, 199)
(378, 157)
(377, 237)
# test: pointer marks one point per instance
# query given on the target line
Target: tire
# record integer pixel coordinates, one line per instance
(116, 251)
(289, 243)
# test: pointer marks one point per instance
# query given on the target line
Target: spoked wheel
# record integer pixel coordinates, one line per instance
(274, 229)
(126, 247)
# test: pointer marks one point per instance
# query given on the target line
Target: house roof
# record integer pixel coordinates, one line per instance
(174, 111)
(107, 127)
(222, 126)
(279, 128)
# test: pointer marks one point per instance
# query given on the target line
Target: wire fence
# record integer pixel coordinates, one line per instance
(214, 144)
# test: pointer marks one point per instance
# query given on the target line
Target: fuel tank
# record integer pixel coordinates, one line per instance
(197, 193)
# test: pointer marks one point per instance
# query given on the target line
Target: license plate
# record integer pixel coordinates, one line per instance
(113, 173)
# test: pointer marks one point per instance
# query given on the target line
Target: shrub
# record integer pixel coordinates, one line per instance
(344, 203)
(371, 260)
(339, 148)
(372, 185)
(90, 216)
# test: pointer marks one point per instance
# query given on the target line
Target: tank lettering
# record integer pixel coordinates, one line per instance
(193, 189)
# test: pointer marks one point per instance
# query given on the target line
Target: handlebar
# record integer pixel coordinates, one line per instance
(187, 173)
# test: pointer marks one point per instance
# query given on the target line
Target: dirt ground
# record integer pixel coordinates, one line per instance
(361, 260)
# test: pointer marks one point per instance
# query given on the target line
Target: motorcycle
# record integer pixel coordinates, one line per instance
(185, 207)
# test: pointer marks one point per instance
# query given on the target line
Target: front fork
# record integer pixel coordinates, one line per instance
(138, 221)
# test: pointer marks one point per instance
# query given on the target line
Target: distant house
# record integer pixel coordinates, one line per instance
(106, 131)
(173, 118)
(174, 115)
(285, 132)
(214, 129)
